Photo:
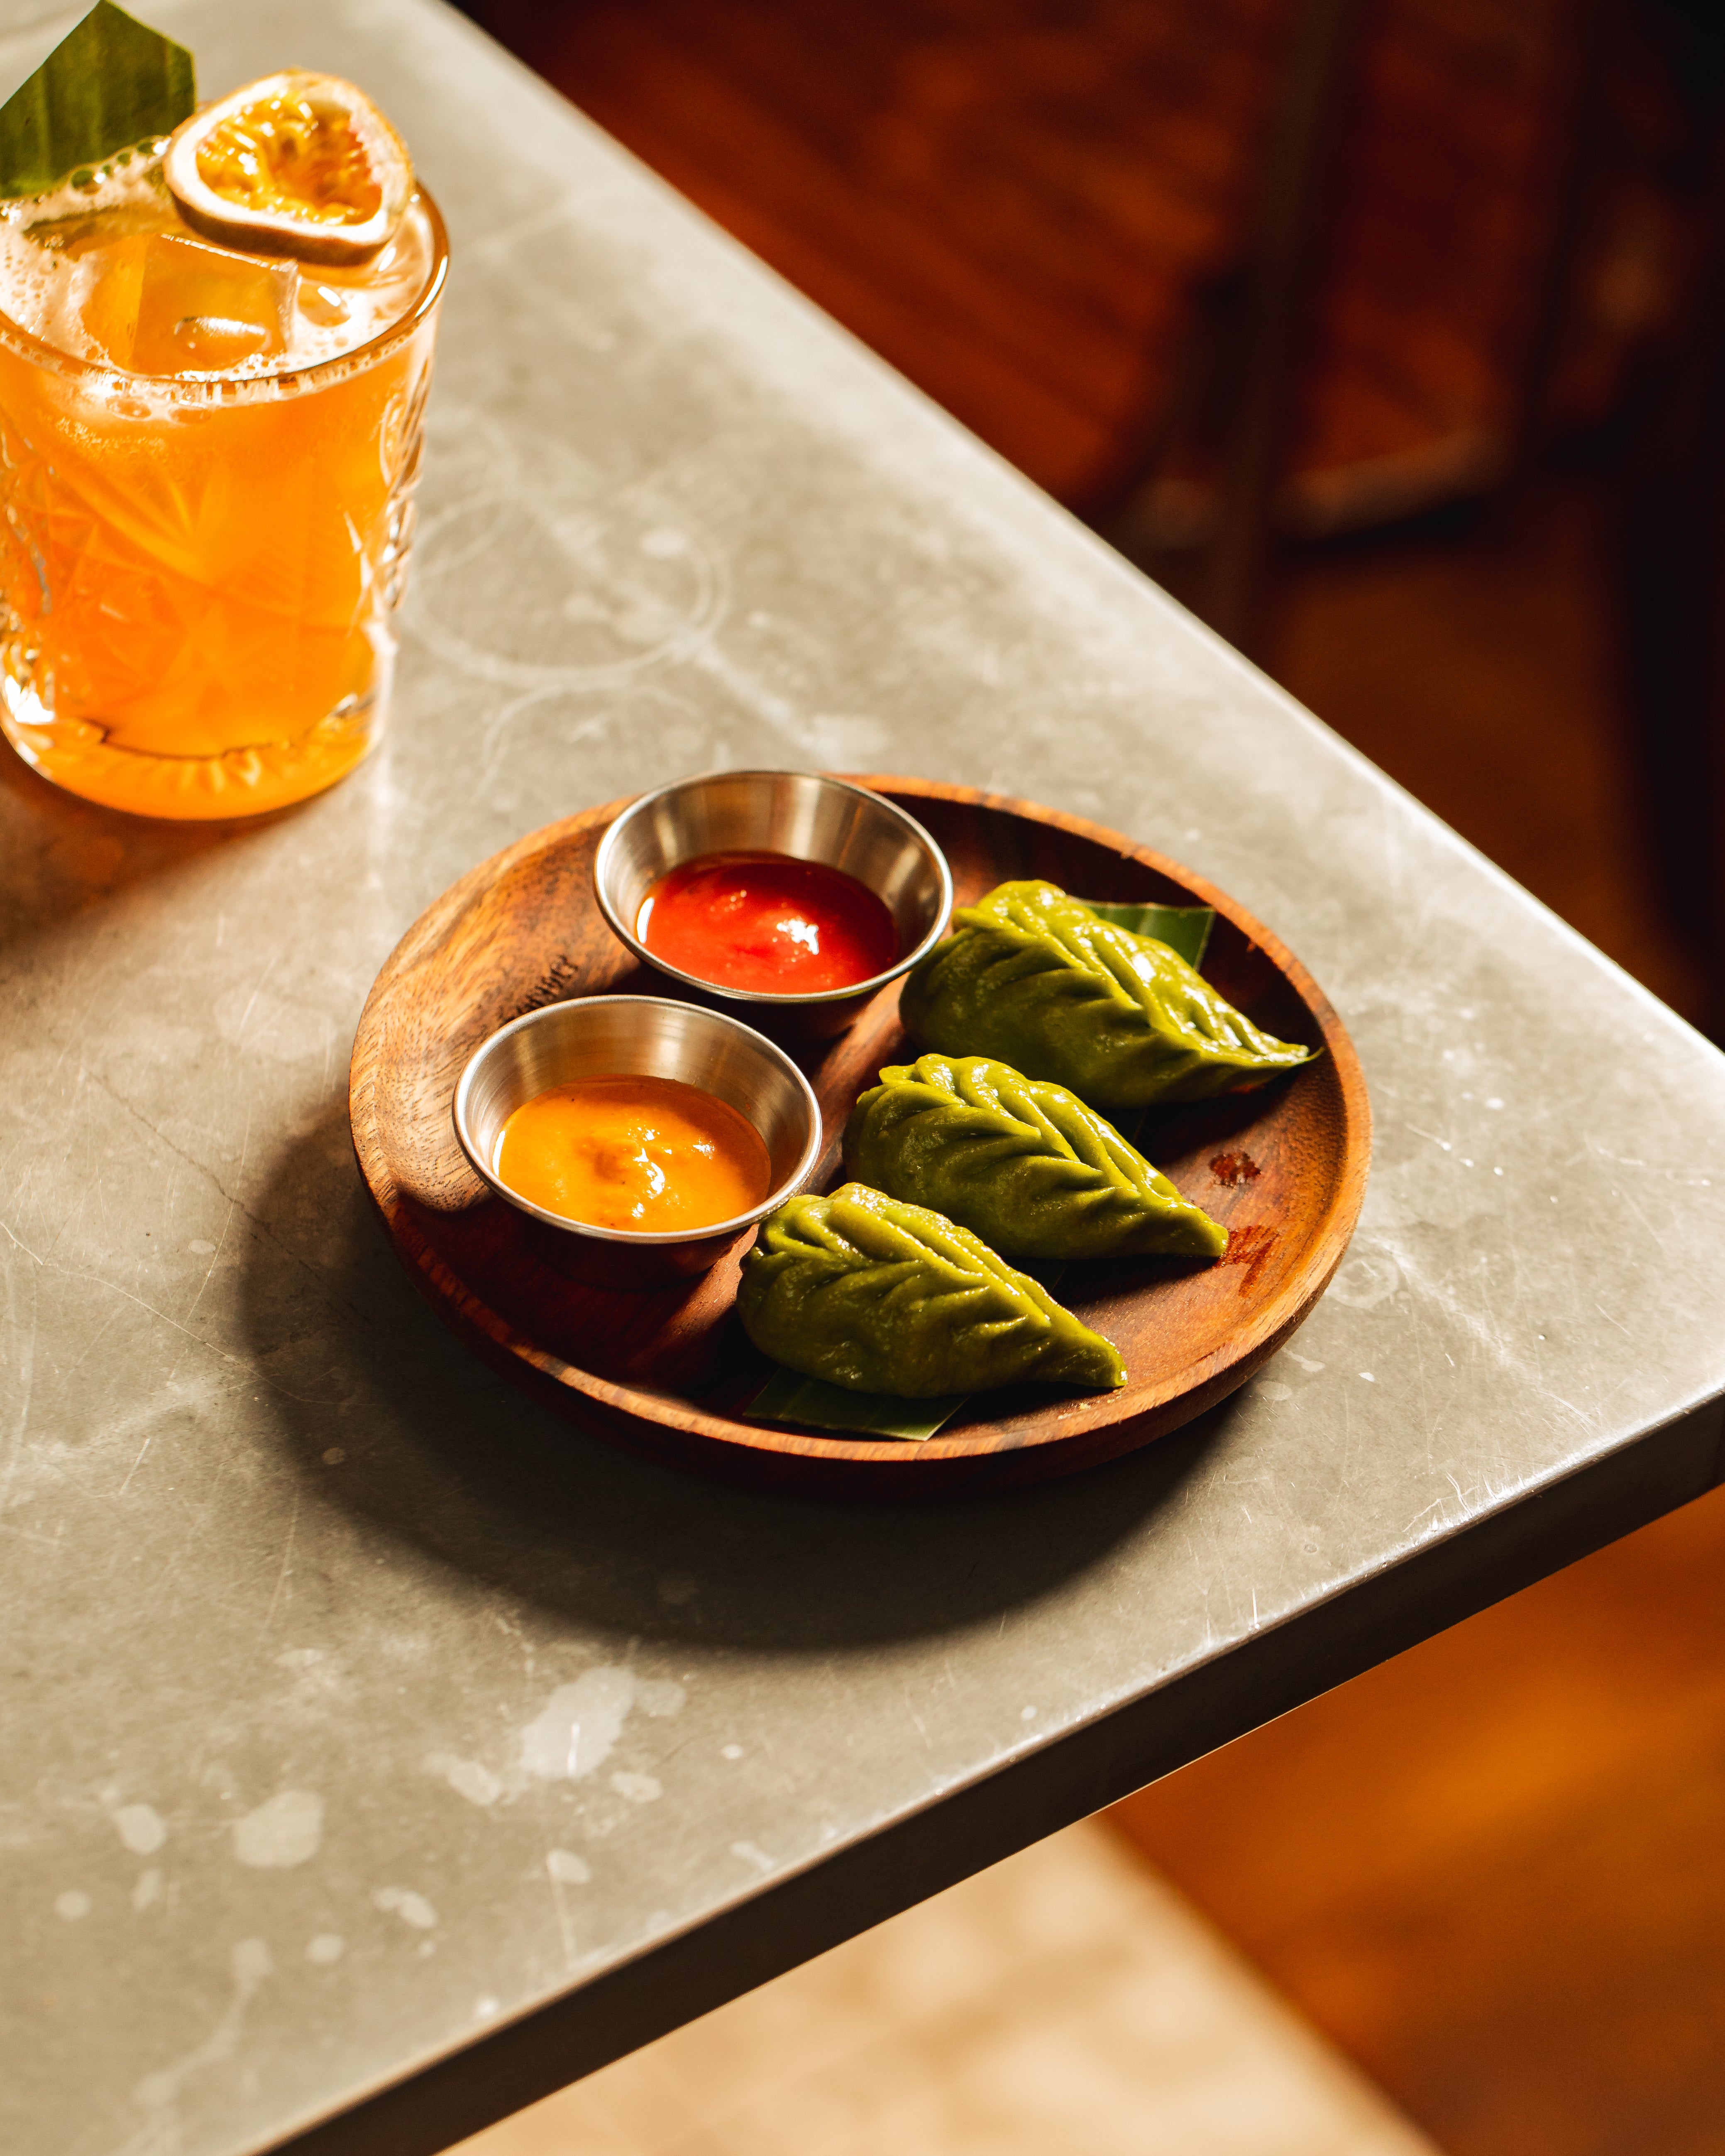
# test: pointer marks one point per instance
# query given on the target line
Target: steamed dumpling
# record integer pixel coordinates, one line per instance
(1035, 978)
(870, 1293)
(1020, 1162)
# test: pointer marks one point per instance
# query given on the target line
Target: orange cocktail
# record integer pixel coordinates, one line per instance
(207, 458)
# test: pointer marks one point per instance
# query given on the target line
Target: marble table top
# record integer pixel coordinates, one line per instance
(379, 1753)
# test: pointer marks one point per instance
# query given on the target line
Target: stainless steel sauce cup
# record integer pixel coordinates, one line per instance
(802, 814)
(608, 1036)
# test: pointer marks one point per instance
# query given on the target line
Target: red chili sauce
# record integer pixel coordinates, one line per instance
(769, 922)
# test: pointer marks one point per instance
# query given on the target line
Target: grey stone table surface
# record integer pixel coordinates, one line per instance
(371, 1739)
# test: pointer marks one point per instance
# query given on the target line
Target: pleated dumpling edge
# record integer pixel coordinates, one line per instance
(878, 1296)
(1034, 978)
(1021, 1162)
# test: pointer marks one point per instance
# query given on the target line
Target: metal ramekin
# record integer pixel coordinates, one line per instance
(608, 1036)
(802, 814)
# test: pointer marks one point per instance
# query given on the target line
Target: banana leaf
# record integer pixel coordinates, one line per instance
(109, 82)
(1183, 928)
(788, 1396)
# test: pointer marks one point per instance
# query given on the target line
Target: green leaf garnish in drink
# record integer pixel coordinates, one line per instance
(108, 84)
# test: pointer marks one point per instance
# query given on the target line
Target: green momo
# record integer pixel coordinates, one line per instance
(1034, 977)
(870, 1293)
(1021, 1162)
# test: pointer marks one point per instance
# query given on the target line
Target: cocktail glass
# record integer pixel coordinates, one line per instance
(199, 577)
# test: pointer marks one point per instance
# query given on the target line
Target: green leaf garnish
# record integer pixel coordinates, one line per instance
(108, 84)
(788, 1396)
(1183, 928)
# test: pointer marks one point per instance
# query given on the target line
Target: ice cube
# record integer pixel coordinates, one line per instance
(322, 304)
(164, 305)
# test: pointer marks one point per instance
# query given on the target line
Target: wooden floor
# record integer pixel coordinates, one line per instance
(1492, 1870)
(1066, 2002)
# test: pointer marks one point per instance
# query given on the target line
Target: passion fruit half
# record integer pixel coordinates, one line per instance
(297, 164)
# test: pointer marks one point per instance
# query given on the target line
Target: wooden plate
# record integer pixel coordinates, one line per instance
(670, 1374)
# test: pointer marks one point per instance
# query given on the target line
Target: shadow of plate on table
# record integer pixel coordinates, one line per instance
(437, 1452)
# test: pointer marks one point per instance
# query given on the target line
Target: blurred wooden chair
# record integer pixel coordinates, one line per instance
(1390, 337)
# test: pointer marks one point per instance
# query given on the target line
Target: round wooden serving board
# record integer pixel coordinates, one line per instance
(670, 1374)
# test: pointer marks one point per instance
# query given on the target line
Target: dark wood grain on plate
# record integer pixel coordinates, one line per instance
(670, 1374)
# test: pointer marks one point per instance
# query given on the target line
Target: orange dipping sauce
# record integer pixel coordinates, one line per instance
(769, 922)
(652, 1156)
